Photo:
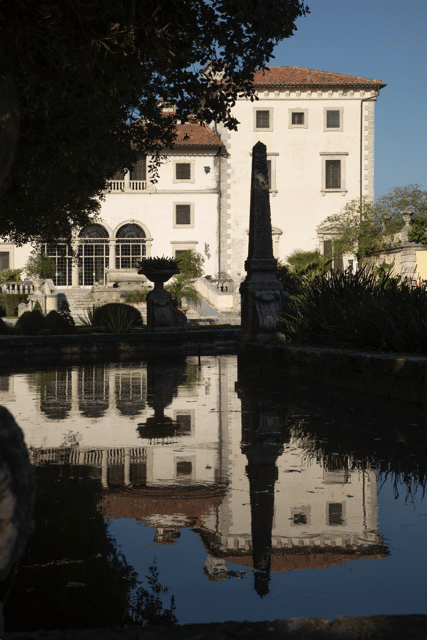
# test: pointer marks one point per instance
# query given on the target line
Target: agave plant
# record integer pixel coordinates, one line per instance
(87, 318)
(158, 264)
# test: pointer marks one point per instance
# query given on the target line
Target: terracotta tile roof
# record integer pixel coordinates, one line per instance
(194, 134)
(300, 77)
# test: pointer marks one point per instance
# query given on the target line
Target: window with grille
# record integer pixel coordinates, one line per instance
(262, 119)
(140, 169)
(333, 174)
(297, 118)
(333, 119)
(183, 214)
(183, 171)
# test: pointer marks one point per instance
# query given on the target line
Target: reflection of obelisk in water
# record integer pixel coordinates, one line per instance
(263, 434)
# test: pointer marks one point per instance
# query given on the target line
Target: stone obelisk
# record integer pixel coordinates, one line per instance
(261, 291)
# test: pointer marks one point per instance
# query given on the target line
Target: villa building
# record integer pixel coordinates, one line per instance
(319, 131)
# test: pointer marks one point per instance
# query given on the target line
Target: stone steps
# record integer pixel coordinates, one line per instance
(79, 301)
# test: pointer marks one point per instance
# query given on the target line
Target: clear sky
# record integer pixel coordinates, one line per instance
(385, 39)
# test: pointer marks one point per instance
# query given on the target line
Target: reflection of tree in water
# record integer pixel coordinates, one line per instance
(93, 392)
(146, 605)
(397, 455)
(71, 574)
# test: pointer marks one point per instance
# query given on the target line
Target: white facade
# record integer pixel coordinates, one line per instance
(319, 131)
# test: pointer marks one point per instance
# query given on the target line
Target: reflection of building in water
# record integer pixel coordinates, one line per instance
(173, 479)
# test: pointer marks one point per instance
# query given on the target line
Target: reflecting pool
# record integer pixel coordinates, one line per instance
(186, 491)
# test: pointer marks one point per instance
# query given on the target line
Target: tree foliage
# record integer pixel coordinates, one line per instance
(77, 77)
(40, 266)
(368, 229)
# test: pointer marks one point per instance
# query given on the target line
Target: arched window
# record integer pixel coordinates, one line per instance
(94, 252)
(130, 246)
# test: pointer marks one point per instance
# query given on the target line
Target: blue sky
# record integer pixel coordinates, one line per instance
(383, 39)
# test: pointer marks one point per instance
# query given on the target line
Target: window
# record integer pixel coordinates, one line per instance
(183, 215)
(333, 119)
(179, 247)
(183, 171)
(337, 262)
(130, 246)
(263, 119)
(298, 119)
(4, 260)
(333, 172)
(140, 169)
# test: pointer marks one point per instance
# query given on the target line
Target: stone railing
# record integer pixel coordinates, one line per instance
(226, 300)
(121, 186)
(44, 292)
(25, 286)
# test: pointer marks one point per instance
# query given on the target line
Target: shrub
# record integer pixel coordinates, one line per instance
(289, 281)
(181, 287)
(87, 318)
(359, 311)
(64, 310)
(190, 264)
(5, 329)
(40, 266)
(116, 317)
(10, 275)
(57, 324)
(9, 303)
(309, 264)
(30, 323)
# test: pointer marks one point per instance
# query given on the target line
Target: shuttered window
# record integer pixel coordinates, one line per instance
(333, 174)
(333, 119)
(183, 171)
(262, 119)
(183, 214)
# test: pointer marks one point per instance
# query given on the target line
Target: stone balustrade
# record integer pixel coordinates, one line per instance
(225, 300)
(25, 286)
(121, 186)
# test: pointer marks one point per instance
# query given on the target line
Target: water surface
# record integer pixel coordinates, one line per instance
(172, 492)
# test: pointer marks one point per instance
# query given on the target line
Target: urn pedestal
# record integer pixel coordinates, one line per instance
(162, 312)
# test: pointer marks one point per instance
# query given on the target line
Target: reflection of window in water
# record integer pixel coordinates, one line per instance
(184, 468)
(4, 383)
(335, 513)
(300, 515)
(340, 476)
(55, 393)
(131, 392)
(184, 421)
(116, 475)
(138, 473)
(93, 391)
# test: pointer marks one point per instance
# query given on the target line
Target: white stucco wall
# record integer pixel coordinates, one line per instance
(298, 200)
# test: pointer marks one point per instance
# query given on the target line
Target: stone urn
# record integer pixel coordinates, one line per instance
(162, 312)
